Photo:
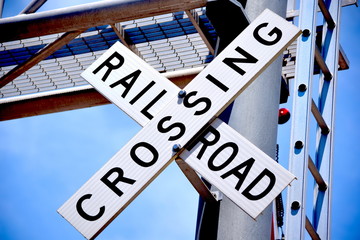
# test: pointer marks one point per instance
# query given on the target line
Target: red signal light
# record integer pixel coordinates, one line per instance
(284, 115)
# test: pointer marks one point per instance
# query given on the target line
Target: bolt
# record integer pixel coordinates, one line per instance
(299, 145)
(295, 205)
(176, 147)
(182, 94)
(306, 33)
(302, 87)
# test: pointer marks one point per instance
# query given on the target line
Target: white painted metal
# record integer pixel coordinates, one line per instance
(131, 64)
(149, 152)
(247, 150)
(227, 183)
(298, 159)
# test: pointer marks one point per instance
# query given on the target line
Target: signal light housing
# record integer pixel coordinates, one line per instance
(284, 115)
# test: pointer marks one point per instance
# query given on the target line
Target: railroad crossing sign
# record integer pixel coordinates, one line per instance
(183, 124)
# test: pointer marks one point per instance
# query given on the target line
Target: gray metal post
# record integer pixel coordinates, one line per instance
(255, 116)
(1, 7)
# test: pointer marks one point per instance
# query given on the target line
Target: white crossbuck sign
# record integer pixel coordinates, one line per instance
(240, 170)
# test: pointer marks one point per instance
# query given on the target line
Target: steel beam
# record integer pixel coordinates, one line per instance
(88, 15)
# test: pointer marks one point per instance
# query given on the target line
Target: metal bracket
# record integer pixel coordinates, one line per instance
(217, 195)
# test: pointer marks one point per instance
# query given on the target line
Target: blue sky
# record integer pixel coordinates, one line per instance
(45, 159)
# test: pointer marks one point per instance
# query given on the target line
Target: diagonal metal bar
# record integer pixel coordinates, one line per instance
(33, 6)
(326, 13)
(193, 18)
(311, 230)
(40, 55)
(320, 61)
(119, 30)
(196, 181)
(317, 176)
(319, 119)
(120, 33)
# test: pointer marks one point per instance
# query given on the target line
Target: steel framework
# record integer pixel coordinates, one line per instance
(43, 54)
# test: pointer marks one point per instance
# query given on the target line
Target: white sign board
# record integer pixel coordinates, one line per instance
(256, 178)
(129, 82)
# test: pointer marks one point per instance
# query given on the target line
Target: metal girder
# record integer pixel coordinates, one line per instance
(88, 15)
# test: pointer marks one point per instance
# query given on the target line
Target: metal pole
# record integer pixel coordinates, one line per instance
(1, 7)
(33, 6)
(255, 116)
(88, 15)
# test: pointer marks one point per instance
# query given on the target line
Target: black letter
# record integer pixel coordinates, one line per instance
(228, 161)
(142, 92)
(112, 185)
(204, 141)
(109, 65)
(82, 213)
(123, 82)
(264, 173)
(138, 160)
(151, 103)
(217, 83)
(248, 59)
(241, 176)
(272, 32)
(205, 100)
(177, 124)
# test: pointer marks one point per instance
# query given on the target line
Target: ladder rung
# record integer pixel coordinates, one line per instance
(320, 61)
(320, 120)
(310, 229)
(327, 15)
(317, 176)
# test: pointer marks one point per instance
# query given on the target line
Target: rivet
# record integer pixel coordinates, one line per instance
(295, 205)
(306, 33)
(182, 94)
(176, 147)
(299, 144)
(302, 87)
